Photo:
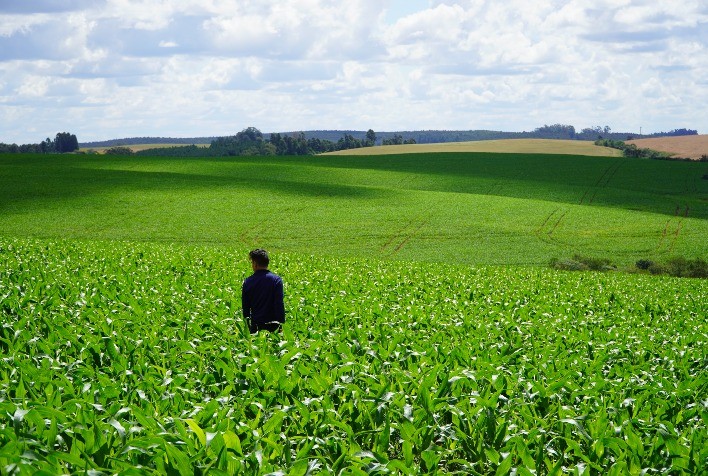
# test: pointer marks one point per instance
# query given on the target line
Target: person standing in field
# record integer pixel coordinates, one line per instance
(262, 295)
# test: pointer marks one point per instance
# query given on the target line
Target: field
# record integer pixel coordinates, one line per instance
(425, 332)
(692, 147)
(137, 147)
(475, 208)
(508, 146)
(130, 358)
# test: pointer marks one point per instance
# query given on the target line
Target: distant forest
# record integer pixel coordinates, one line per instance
(251, 141)
(555, 131)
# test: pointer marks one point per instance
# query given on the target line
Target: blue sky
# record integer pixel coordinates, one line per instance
(397, 9)
(107, 69)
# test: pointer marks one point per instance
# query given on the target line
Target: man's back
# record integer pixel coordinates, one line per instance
(262, 300)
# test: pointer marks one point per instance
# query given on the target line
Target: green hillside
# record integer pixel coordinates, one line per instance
(475, 208)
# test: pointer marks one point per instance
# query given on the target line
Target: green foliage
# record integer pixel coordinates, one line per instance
(594, 263)
(247, 142)
(397, 139)
(251, 142)
(682, 267)
(676, 266)
(119, 150)
(63, 142)
(644, 264)
(370, 138)
(122, 358)
(631, 150)
(567, 264)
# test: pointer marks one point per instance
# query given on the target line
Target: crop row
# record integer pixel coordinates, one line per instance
(132, 359)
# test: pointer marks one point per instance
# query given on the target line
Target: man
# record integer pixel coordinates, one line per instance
(262, 295)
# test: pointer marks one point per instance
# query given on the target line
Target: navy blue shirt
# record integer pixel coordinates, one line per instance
(262, 297)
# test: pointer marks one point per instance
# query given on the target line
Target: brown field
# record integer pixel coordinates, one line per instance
(692, 147)
(521, 146)
(137, 147)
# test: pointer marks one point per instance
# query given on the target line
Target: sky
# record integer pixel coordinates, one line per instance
(104, 69)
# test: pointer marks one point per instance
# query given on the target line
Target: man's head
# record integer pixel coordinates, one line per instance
(259, 258)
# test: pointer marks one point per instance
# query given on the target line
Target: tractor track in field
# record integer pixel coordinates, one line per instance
(404, 235)
(540, 227)
(602, 182)
(608, 178)
(672, 229)
(551, 223)
(555, 225)
(494, 188)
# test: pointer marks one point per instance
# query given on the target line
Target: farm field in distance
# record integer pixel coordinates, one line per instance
(137, 147)
(693, 147)
(508, 146)
(425, 332)
(472, 208)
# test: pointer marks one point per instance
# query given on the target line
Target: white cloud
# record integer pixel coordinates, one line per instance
(13, 24)
(206, 67)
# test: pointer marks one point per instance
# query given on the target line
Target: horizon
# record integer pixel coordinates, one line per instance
(358, 131)
(188, 69)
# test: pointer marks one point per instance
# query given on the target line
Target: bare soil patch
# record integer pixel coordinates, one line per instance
(692, 147)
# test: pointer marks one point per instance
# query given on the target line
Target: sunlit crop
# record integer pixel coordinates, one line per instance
(132, 359)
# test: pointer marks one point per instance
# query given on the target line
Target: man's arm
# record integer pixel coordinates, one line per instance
(278, 298)
(245, 302)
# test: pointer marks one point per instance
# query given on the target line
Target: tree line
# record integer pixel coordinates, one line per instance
(251, 141)
(63, 142)
(564, 131)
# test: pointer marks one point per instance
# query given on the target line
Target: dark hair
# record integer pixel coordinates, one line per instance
(260, 257)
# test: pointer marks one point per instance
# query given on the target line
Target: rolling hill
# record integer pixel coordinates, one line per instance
(475, 208)
(515, 146)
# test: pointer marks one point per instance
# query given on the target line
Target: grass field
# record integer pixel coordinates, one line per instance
(469, 208)
(507, 146)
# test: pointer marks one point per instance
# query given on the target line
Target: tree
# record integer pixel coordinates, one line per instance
(65, 142)
(280, 146)
(249, 134)
(555, 131)
(348, 142)
(370, 138)
(397, 139)
(119, 150)
(247, 142)
(46, 146)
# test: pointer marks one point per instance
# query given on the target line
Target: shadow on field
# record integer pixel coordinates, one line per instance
(634, 184)
(656, 186)
(31, 182)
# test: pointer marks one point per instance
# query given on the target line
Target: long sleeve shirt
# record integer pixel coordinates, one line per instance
(262, 297)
